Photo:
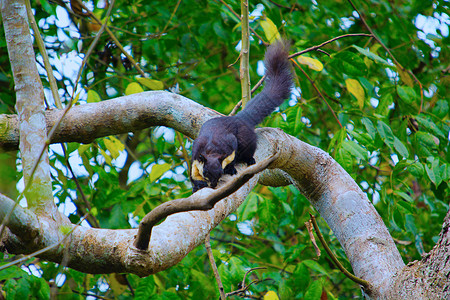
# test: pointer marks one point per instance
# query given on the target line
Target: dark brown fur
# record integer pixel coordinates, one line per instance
(225, 141)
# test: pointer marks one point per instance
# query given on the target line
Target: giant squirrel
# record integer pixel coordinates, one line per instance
(224, 142)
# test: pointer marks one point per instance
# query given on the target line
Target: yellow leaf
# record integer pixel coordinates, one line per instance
(92, 97)
(271, 295)
(312, 63)
(133, 88)
(117, 287)
(106, 156)
(270, 29)
(355, 88)
(83, 147)
(405, 76)
(151, 83)
(158, 171)
(114, 146)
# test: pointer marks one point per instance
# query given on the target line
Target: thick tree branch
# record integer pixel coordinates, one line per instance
(29, 106)
(84, 123)
(338, 199)
(20, 221)
(195, 203)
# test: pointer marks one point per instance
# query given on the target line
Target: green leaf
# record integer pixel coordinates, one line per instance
(369, 127)
(362, 138)
(430, 126)
(293, 124)
(349, 63)
(415, 168)
(355, 149)
(344, 159)
(17, 289)
(146, 288)
(301, 277)
(441, 108)
(386, 133)
(83, 147)
(249, 208)
(313, 265)
(401, 149)
(287, 209)
(245, 250)
(314, 291)
(410, 224)
(337, 139)
(372, 56)
(11, 272)
(404, 196)
(383, 106)
(158, 170)
(426, 143)
(236, 268)
(434, 173)
(407, 94)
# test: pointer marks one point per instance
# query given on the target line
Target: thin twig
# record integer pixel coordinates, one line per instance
(41, 47)
(114, 38)
(318, 91)
(239, 104)
(214, 267)
(314, 48)
(245, 287)
(171, 17)
(251, 29)
(80, 190)
(349, 275)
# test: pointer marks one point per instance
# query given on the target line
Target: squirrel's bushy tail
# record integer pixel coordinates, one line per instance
(277, 85)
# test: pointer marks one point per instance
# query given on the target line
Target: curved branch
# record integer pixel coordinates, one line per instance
(87, 122)
(195, 203)
(346, 209)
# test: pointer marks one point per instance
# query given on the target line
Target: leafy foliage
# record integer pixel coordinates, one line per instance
(394, 137)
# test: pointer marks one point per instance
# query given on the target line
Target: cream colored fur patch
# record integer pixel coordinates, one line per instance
(228, 159)
(197, 171)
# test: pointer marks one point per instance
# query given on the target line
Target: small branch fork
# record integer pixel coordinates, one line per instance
(245, 287)
(195, 203)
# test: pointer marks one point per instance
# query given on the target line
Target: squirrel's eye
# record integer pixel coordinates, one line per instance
(201, 158)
